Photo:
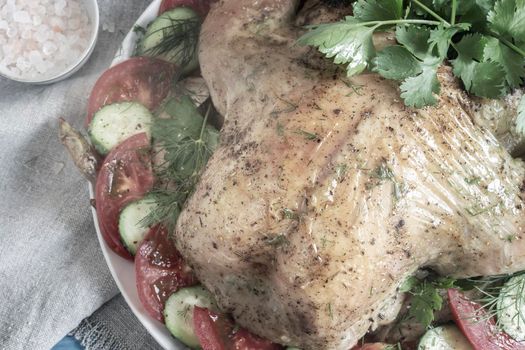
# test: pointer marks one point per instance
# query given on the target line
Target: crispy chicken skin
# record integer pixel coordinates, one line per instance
(326, 193)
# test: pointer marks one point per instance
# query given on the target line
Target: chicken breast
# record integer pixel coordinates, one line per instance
(326, 193)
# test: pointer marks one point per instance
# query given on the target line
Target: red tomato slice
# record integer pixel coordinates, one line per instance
(217, 332)
(202, 7)
(480, 330)
(160, 271)
(211, 329)
(244, 340)
(141, 79)
(125, 176)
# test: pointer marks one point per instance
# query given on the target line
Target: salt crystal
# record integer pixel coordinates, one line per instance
(22, 64)
(22, 17)
(11, 32)
(49, 47)
(60, 5)
(37, 20)
(73, 24)
(40, 10)
(57, 24)
(26, 33)
(3, 25)
(35, 57)
(42, 33)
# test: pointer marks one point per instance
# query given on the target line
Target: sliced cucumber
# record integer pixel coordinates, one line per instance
(444, 338)
(511, 307)
(114, 123)
(129, 224)
(173, 36)
(178, 313)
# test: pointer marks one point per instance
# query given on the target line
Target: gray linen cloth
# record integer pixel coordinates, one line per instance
(52, 272)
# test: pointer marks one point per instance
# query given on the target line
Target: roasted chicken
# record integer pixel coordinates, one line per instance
(327, 192)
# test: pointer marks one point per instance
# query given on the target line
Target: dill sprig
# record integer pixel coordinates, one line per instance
(186, 139)
(169, 204)
(185, 142)
(179, 41)
(495, 290)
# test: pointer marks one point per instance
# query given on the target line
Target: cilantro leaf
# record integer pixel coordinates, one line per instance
(396, 62)
(470, 51)
(444, 7)
(426, 299)
(512, 63)
(477, 14)
(414, 39)
(489, 80)
(408, 284)
(507, 18)
(520, 120)
(418, 91)
(444, 282)
(440, 39)
(348, 42)
(378, 10)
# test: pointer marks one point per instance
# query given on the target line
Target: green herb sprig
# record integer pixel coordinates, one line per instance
(426, 297)
(483, 40)
(495, 290)
(186, 141)
(179, 41)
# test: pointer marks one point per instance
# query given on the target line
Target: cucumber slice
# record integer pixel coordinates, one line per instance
(114, 123)
(173, 36)
(178, 313)
(444, 338)
(131, 231)
(511, 307)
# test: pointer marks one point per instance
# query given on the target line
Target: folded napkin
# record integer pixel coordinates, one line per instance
(52, 272)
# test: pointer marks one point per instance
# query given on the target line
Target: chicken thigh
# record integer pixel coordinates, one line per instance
(327, 192)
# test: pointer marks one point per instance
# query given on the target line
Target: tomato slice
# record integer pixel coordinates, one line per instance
(244, 340)
(140, 79)
(125, 176)
(211, 329)
(160, 271)
(202, 7)
(217, 332)
(475, 323)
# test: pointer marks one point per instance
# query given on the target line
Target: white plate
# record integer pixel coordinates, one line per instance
(123, 270)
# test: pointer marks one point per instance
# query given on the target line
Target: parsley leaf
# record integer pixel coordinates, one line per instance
(520, 120)
(348, 42)
(419, 91)
(484, 66)
(507, 18)
(441, 37)
(378, 10)
(425, 300)
(426, 297)
(470, 51)
(488, 37)
(511, 62)
(489, 80)
(396, 62)
(414, 39)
